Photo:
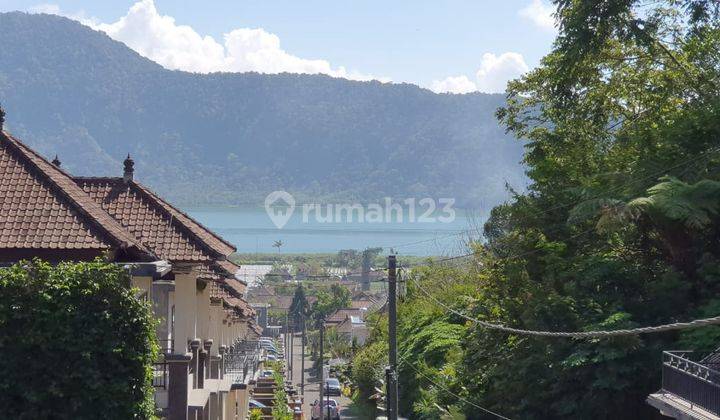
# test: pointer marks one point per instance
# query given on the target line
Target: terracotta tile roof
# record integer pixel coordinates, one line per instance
(42, 208)
(236, 286)
(340, 315)
(256, 328)
(228, 267)
(209, 238)
(220, 290)
(205, 272)
(170, 234)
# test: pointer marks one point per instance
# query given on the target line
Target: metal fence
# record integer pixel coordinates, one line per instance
(160, 375)
(693, 382)
(167, 346)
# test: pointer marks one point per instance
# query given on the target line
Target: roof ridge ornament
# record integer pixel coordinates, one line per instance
(56, 161)
(129, 165)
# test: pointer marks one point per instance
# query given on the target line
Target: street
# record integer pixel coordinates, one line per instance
(311, 384)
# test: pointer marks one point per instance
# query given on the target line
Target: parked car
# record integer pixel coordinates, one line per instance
(266, 374)
(268, 346)
(332, 387)
(334, 409)
(256, 404)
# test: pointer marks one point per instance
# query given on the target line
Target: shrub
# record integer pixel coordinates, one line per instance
(280, 409)
(368, 368)
(75, 342)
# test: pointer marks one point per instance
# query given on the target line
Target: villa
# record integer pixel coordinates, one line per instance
(207, 330)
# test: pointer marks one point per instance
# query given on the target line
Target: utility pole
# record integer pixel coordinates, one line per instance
(392, 388)
(322, 373)
(285, 344)
(302, 359)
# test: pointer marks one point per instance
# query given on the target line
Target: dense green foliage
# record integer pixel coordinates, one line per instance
(233, 138)
(620, 227)
(327, 303)
(368, 367)
(280, 409)
(299, 308)
(76, 343)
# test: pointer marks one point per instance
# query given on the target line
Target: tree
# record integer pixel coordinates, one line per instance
(76, 342)
(327, 303)
(299, 308)
(278, 244)
(2, 117)
(368, 368)
(618, 228)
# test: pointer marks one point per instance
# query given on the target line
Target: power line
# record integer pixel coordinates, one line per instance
(500, 416)
(577, 334)
(470, 254)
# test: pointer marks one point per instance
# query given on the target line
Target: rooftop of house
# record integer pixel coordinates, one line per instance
(44, 208)
(172, 234)
(341, 314)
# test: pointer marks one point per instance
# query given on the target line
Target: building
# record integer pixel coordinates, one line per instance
(206, 326)
(690, 386)
(354, 329)
(340, 315)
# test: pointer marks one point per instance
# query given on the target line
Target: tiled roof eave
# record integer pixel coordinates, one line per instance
(212, 242)
(62, 185)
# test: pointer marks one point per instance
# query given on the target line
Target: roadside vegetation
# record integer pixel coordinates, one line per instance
(76, 342)
(620, 228)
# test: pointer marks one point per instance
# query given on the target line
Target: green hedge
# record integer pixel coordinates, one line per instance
(74, 343)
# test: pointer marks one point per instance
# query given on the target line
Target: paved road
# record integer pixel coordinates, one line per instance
(311, 385)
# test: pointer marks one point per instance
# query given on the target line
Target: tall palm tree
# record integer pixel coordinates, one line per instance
(278, 244)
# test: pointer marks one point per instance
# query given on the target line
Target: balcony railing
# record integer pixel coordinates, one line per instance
(692, 381)
(160, 375)
(167, 346)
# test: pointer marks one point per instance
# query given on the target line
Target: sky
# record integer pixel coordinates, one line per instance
(453, 46)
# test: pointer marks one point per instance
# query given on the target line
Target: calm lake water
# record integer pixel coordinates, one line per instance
(251, 230)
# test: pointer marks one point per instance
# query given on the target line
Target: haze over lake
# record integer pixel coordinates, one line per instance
(250, 229)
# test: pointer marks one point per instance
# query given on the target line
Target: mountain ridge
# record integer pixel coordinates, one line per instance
(231, 138)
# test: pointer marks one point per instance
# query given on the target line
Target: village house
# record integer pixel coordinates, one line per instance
(354, 329)
(206, 329)
(339, 316)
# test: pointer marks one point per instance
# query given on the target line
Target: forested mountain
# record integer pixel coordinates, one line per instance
(232, 138)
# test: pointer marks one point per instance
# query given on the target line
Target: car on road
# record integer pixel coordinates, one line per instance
(332, 387)
(256, 404)
(327, 402)
(268, 346)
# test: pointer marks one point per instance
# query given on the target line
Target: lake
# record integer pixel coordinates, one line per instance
(251, 230)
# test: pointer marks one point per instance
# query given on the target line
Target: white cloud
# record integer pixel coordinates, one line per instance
(496, 71)
(179, 47)
(539, 13)
(453, 84)
(492, 77)
(50, 9)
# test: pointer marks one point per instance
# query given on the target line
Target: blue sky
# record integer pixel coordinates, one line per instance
(451, 45)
